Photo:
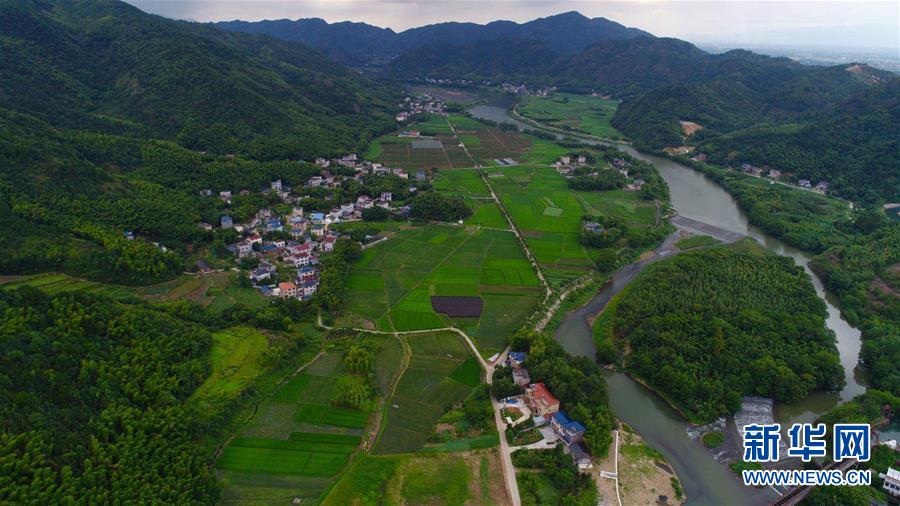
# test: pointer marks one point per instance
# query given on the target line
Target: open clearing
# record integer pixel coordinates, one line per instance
(583, 113)
(392, 284)
(468, 185)
(549, 215)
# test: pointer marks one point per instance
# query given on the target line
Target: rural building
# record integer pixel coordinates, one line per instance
(521, 377)
(891, 482)
(581, 457)
(287, 289)
(540, 400)
(569, 431)
(226, 222)
(516, 359)
(804, 183)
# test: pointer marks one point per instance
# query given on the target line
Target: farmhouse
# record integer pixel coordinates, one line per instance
(580, 456)
(569, 431)
(521, 377)
(226, 222)
(516, 359)
(287, 289)
(891, 482)
(540, 400)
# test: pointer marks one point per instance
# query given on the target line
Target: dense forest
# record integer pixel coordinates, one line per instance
(93, 405)
(857, 261)
(707, 327)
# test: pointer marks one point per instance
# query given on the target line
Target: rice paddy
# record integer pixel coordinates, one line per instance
(548, 215)
(392, 284)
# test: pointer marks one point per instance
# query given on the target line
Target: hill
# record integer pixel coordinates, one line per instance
(103, 110)
(359, 43)
(104, 65)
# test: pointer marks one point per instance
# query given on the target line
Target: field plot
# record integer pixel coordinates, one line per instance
(427, 388)
(489, 144)
(297, 443)
(576, 112)
(472, 478)
(549, 215)
(237, 359)
(53, 283)
(392, 284)
(468, 184)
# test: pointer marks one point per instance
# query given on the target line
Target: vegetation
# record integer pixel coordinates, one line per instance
(583, 113)
(713, 439)
(559, 479)
(681, 340)
(121, 376)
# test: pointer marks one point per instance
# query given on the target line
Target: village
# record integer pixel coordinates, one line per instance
(274, 243)
(536, 409)
(773, 174)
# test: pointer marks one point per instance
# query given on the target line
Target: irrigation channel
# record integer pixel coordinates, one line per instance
(699, 198)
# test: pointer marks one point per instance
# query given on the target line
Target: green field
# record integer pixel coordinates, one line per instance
(297, 443)
(469, 185)
(53, 283)
(427, 388)
(549, 215)
(237, 355)
(488, 144)
(392, 284)
(583, 113)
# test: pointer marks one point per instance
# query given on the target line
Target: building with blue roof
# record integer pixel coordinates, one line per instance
(568, 430)
(516, 358)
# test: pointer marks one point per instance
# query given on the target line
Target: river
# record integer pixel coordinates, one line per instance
(705, 481)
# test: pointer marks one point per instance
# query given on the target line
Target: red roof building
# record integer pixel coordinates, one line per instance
(540, 400)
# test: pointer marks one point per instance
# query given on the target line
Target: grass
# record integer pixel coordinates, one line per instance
(445, 482)
(237, 359)
(468, 373)
(697, 241)
(472, 443)
(330, 415)
(582, 113)
(549, 215)
(713, 439)
(392, 283)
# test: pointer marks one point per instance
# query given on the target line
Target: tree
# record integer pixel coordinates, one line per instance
(375, 213)
(351, 391)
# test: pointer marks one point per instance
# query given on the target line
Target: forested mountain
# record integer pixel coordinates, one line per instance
(103, 109)
(104, 65)
(357, 42)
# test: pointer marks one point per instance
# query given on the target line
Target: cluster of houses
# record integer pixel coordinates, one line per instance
(766, 171)
(420, 104)
(522, 89)
(566, 166)
(545, 410)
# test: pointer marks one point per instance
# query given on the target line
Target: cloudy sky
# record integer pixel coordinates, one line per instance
(846, 23)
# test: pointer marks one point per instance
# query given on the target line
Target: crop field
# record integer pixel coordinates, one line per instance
(468, 184)
(392, 283)
(297, 443)
(488, 144)
(576, 112)
(427, 388)
(473, 478)
(549, 215)
(53, 283)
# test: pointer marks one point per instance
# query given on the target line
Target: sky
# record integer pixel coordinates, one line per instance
(738, 22)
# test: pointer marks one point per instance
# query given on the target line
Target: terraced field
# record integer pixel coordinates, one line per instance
(392, 284)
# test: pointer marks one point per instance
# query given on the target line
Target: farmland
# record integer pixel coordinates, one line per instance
(468, 184)
(236, 361)
(392, 284)
(466, 478)
(441, 372)
(298, 442)
(583, 113)
(549, 215)
(489, 144)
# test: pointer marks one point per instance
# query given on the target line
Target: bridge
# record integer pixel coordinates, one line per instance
(797, 494)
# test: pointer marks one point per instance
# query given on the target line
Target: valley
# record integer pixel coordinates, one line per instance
(522, 263)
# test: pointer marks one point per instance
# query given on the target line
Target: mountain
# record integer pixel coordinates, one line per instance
(105, 65)
(358, 43)
(112, 120)
(514, 59)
